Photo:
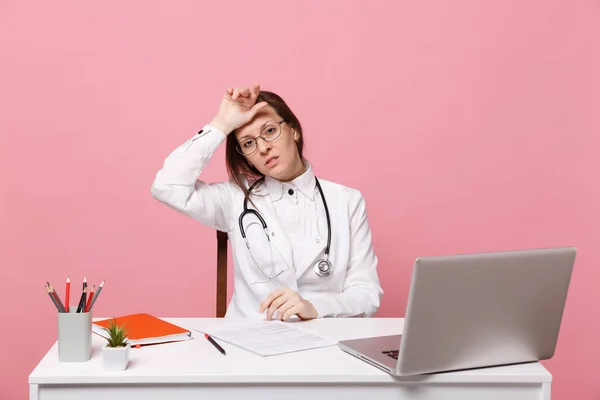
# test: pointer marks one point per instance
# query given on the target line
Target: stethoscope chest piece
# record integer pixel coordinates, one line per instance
(323, 268)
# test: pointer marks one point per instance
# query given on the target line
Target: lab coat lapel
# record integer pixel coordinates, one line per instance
(276, 233)
(316, 250)
(313, 252)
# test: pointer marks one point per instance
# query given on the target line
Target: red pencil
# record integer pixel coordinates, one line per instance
(89, 301)
(67, 293)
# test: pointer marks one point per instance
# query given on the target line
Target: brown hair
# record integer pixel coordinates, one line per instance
(238, 167)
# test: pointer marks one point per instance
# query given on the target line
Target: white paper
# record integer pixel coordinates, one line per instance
(267, 338)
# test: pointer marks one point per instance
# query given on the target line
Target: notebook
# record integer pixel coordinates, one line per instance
(144, 329)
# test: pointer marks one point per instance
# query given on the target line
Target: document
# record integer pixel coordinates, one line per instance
(267, 338)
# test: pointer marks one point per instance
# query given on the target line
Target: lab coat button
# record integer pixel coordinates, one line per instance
(317, 240)
(291, 192)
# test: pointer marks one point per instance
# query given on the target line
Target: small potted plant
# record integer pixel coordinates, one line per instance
(116, 352)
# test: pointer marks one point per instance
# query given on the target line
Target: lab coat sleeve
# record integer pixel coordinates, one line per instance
(361, 294)
(177, 185)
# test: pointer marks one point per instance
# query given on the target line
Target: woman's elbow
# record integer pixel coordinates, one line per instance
(161, 192)
(375, 302)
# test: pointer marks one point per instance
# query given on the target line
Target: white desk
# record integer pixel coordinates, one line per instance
(196, 370)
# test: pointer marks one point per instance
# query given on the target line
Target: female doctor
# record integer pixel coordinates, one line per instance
(301, 245)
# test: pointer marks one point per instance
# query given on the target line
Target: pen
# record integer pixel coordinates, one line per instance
(212, 341)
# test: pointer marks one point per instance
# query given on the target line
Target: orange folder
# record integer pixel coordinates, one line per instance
(144, 329)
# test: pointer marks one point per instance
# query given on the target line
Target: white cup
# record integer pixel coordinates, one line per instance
(74, 336)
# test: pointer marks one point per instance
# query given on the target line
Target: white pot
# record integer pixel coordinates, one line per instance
(116, 358)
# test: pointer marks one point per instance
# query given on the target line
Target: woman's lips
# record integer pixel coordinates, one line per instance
(272, 161)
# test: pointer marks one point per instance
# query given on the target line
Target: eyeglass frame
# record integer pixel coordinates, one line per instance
(255, 139)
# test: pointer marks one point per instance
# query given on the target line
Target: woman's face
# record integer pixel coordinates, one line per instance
(277, 156)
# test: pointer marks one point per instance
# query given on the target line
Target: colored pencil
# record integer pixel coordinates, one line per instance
(52, 297)
(61, 307)
(89, 301)
(81, 300)
(81, 304)
(97, 294)
(67, 294)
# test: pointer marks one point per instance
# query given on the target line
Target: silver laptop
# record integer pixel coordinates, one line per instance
(476, 310)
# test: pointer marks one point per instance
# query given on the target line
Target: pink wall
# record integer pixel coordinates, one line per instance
(469, 126)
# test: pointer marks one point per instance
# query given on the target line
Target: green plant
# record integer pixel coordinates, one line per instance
(117, 335)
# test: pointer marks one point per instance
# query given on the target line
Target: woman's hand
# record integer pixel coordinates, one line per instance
(237, 108)
(287, 303)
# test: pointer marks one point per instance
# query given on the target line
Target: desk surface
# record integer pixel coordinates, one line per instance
(196, 361)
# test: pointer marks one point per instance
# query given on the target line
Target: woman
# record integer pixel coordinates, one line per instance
(281, 270)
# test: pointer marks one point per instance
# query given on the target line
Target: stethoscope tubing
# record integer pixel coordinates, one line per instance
(247, 211)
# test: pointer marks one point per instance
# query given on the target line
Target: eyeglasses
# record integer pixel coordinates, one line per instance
(269, 134)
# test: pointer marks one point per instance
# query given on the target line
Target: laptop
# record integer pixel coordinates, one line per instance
(476, 310)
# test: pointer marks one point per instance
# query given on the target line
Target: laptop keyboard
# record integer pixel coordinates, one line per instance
(392, 353)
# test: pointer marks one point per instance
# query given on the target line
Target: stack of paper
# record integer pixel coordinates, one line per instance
(266, 338)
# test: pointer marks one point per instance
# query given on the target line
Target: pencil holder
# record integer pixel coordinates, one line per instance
(74, 336)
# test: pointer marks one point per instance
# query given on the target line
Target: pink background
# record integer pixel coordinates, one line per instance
(468, 125)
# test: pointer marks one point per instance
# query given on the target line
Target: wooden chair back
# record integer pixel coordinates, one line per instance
(221, 274)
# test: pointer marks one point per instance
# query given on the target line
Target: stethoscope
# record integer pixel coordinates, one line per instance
(323, 267)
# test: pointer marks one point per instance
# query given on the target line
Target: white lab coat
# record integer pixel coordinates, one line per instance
(353, 288)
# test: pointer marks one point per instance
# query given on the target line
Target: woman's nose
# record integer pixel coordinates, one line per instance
(263, 145)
